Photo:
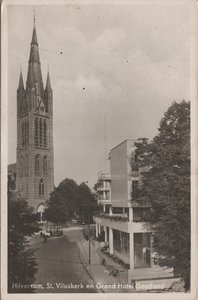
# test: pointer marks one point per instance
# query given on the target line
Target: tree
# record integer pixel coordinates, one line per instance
(22, 266)
(86, 203)
(61, 205)
(165, 165)
(68, 200)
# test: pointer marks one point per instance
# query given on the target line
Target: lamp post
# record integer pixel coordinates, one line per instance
(89, 243)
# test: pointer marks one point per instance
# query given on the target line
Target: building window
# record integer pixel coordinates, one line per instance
(141, 214)
(21, 166)
(27, 133)
(23, 134)
(40, 133)
(36, 132)
(26, 165)
(41, 187)
(117, 210)
(45, 164)
(45, 133)
(135, 189)
(134, 161)
(37, 167)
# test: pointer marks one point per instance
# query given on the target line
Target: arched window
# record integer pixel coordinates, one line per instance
(37, 163)
(41, 187)
(45, 133)
(24, 124)
(45, 164)
(40, 133)
(22, 166)
(26, 165)
(27, 132)
(36, 132)
(23, 134)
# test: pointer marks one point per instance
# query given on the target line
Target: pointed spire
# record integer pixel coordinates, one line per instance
(21, 85)
(34, 78)
(34, 36)
(48, 83)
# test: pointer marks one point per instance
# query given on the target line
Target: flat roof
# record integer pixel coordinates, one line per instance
(132, 140)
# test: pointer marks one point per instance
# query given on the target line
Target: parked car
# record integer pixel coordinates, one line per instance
(45, 233)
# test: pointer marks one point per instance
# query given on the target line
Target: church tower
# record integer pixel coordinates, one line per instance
(35, 162)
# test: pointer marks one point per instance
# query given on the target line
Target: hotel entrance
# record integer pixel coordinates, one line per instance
(142, 250)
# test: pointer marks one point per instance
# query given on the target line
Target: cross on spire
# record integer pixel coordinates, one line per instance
(34, 18)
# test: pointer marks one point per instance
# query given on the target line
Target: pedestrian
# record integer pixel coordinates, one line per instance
(44, 238)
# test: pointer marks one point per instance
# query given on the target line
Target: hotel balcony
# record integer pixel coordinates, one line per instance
(103, 188)
(121, 223)
(134, 174)
(104, 176)
(103, 201)
(108, 221)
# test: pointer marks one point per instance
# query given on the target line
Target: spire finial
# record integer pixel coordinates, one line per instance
(34, 18)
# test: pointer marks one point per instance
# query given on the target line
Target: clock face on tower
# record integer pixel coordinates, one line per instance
(40, 105)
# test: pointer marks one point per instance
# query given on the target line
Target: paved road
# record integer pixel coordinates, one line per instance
(60, 266)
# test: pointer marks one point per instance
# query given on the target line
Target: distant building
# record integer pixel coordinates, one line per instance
(35, 155)
(12, 191)
(12, 176)
(122, 220)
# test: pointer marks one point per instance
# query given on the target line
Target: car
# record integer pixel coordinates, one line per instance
(45, 233)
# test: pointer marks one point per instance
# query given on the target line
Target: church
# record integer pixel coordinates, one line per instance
(35, 154)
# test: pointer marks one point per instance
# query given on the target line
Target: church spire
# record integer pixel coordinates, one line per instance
(21, 85)
(34, 37)
(34, 78)
(48, 83)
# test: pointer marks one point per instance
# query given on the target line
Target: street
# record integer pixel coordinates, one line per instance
(60, 268)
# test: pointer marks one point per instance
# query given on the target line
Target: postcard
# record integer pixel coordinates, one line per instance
(99, 149)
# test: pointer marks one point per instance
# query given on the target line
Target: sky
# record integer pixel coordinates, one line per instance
(121, 63)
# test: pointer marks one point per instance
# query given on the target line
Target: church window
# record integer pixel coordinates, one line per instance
(45, 164)
(36, 132)
(45, 133)
(41, 187)
(40, 133)
(37, 161)
(27, 133)
(26, 165)
(23, 134)
(22, 167)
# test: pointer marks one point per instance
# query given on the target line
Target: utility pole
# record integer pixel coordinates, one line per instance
(89, 243)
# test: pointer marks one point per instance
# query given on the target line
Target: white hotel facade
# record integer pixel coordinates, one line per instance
(121, 220)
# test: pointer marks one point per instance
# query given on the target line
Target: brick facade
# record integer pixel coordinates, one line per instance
(35, 157)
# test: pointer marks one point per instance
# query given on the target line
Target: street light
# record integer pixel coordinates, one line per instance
(89, 243)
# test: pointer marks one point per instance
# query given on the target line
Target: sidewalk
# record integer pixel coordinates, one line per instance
(100, 273)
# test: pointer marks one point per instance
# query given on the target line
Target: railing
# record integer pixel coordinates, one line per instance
(115, 218)
(103, 175)
(103, 198)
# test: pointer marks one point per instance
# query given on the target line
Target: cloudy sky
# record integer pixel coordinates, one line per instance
(126, 62)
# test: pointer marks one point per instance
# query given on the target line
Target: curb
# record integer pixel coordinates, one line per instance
(84, 266)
